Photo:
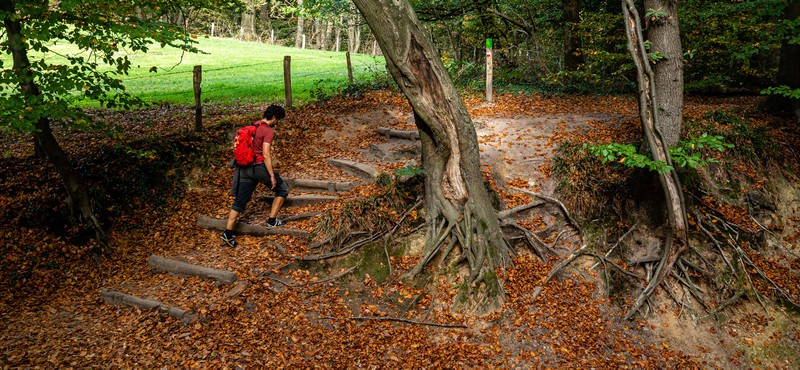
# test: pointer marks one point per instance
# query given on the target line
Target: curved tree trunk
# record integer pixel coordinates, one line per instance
(77, 196)
(649, 113)
(457, 203)
(664, 35)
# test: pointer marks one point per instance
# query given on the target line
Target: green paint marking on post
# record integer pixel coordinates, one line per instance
(488, 43)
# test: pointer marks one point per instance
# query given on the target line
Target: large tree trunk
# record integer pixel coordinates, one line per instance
(249, 20)
(457, 203)
(664, 35)
(649, 112)
(298, 37)
(572, 40)
(788, 72)
(77, 196)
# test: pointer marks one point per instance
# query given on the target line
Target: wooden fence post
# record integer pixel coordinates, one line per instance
(197, 77)
(212, 29)
(287, 79)
(349, 68)
(272, 37)
(304, 42)
(489, 70)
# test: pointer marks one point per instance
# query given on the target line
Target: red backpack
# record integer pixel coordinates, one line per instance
(243, 146)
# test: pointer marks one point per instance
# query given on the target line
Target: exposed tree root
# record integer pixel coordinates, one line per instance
(407, 321)
(561, 206)
(332, 278)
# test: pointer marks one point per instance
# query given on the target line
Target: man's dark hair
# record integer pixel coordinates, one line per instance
(274, 111)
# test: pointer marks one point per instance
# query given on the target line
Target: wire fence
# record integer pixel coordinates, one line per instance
(272, 75)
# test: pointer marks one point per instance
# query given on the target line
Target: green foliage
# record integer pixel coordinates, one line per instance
(782, 90)
(103, 35)
(732, 44)
(408, 171)
(687, 153)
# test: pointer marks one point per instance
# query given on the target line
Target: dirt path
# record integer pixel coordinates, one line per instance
(278, 318)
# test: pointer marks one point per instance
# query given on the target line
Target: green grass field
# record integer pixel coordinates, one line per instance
(235, 71)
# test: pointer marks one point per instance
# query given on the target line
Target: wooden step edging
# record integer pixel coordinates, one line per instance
(389, 133)
(239, 228)
(360, 170)
(121, 299)
(301, 200)
(183, 269)
(320, 185)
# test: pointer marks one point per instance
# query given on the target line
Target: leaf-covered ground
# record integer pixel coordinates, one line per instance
(52, 316)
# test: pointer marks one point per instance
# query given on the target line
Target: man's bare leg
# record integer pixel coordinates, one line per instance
(277, 203)
(232, 219)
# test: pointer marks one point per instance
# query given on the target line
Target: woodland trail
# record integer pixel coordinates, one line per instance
(283, 313)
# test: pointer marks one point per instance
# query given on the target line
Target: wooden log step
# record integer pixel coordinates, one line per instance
(183, 269)
(360, 170)
(121, 299)
(320, 185)
(301, 200)
(239, 228)
(390, 133)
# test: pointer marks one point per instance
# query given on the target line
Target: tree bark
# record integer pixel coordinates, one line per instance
(298, 37)
(457, 203)
(788, 73)
(664, 35)
(77, 197)
(327, 37)
(572, 40)
(676, 238)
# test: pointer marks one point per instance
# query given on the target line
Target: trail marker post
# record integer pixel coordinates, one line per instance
(304, 42)
(287, 79)
(349, 68)
(272, 37)
(197, 77)
(212, 29)
(489, 70)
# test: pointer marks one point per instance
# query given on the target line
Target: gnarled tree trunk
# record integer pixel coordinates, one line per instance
(664, 36)
(77, 196)
(457, 203)
(649, 114)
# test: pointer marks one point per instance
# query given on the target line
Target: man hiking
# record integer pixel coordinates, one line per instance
(254, 161)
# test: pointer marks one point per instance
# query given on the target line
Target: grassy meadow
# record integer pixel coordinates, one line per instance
(235, 71)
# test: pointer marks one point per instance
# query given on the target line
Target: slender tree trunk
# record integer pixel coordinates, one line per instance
(298, 37)
(788, 71)
(339, 32)
(664, 35)
(457, 203)
(649, 113)
(572, 40)
(327, 37)
(77, 196)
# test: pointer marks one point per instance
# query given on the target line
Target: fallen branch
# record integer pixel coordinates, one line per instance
(561, 206)
(331, 278)
(394, 319)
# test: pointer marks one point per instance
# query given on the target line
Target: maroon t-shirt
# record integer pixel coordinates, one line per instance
(264, 134)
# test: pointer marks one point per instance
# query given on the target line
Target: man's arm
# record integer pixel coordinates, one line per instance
(265, 151)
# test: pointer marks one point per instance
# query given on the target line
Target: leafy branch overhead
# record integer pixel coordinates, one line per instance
(688, 153)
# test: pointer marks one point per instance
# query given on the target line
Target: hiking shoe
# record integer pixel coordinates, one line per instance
(277, 223)
(230, 240)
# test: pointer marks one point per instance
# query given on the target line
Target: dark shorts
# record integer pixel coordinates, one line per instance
(249, 178)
